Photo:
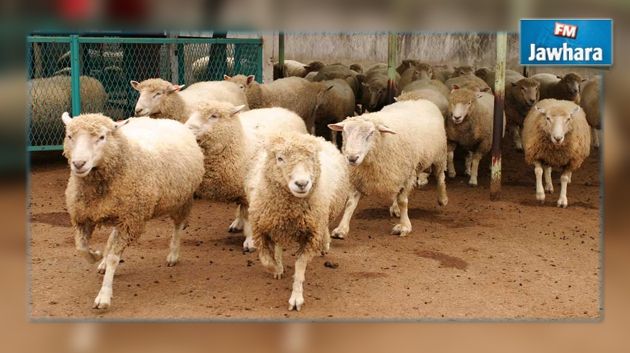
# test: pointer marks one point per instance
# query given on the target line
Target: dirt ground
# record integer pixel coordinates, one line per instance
(473, 259)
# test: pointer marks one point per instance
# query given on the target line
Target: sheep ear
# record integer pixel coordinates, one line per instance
(119, 124)
(540, 110)
(336, 127)
(65, 117)
(328, 88)
(454, 88)
(558, 76)
(175, 88)
(575, 110)
(479, 94)
(250, 79)
(237, 109)
(226, 77)
(485, 89)
(385, 130)
(135, 85)
(396, 99)
(513, 84)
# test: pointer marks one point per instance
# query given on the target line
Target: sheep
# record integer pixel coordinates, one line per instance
(374, 89)
(520, 97)
(333, 104)
(229, 142)
(468, 81)
(464, 70)
(298, 185)
(436, 85)
(469, 125)
(555, 135)
(489, 76)
(162, 99)
(293, 93)
(418, 71)
(333, 71)
(199, 68)
(295, 68)
(429, 94)
(311, 76)
(565, 87)
(386, 150)
(442, 72)
(407, 64)
(590, 104)
(51, 96)
(356, 68)
(125, 174)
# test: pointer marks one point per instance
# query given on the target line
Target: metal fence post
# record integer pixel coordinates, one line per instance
(75, 73)
(392, 51)
(281, 53)
(497, 132)
(259, 62)
(181, 63)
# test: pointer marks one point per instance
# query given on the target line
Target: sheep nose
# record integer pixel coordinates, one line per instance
(353, 158)
(558, 138)
(78, 164)
(302, 184)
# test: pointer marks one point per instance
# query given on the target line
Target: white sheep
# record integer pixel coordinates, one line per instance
(125, 174)
(591, 104)
(469, 125)
(162, 99)
(298, 185)
(386, 150)
(229, 142)
(555, 135)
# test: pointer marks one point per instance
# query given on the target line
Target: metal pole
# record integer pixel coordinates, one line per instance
(392, 51)
(497, 132)
(281, 53)
(75, 73)
(172, 56)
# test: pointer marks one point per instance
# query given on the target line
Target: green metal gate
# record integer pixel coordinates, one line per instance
(81, 74)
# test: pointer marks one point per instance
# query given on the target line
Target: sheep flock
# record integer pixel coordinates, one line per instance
(296, 155)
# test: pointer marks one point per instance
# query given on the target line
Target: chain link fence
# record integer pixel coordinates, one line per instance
(91, 74)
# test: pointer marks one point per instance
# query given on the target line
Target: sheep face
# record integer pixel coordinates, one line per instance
(528, 91)
(462, 70)
(239, 83)
(209, 116)
(152, 94)
(87, 137)
(572, 83)
(376, 94)
(295, 166)
(557, 123)
(359, 137)
(460, 104)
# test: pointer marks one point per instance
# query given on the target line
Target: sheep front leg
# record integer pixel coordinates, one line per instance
(394, 210)
(595, 137)
(565, 179)
(438, 172)
(103, 265)
(548, 180)
(237, 224)
(297, 298)
(540, 191)
(404, 227)
(468, 163)
(516, 135)
(104, 298)
(474, 168)
(450, 156)
(344, 225)
(82, 237)
(248, 244)
(272, 261)
(173, 254)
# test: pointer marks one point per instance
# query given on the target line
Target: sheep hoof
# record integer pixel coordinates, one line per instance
(296, 301)
(451, 174)
(102, 267)
(394, 211)
(540, 196)
(443, 201)
(236, 226)
(401, 230)
(472, 183)
(467, 172)
(338, 234)
(563, 202)
(248, 245)
(277, 275)
(549, 189)
(103, 299)
(93, 256)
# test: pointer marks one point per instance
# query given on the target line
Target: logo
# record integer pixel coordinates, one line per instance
(569, 42)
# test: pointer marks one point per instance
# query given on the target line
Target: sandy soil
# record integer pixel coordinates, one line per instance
(473, 259)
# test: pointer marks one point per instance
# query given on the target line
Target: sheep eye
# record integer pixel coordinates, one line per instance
(69, 137)
(279, 159)
(213, 116)
(157, 94)
(101, 138)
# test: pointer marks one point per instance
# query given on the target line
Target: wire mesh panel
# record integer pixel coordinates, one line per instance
(92, 74)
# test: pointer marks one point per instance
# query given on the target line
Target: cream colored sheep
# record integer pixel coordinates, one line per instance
(591, 104)
(229, 142)
(386, 150)
(428, 84)
(555, 135)
(469, 125)
(125, 174)
(298, 185)
(429, 94)
(162, 99)
(468, 81)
